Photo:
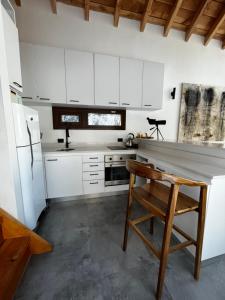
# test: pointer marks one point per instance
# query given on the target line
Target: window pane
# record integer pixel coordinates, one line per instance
(97, 119)
(70, 118)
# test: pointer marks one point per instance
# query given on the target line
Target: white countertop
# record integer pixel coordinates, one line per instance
(52, 149)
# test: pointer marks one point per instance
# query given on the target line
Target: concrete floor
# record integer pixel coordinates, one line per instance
(88, 263)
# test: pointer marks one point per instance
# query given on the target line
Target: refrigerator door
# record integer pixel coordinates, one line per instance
(20, 125)
(24, 159)
(38, 183)
(32, 121)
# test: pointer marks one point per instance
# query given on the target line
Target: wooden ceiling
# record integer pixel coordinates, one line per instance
(202, 17)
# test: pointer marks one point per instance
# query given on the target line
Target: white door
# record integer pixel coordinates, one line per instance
(49, 69)
(63, 176)
(32, 121)
(106, 80)
(28, 72)
(79, 77)
(12, 51)
(38, 184)
(25, 167)
(131, 72)
(153, 79)
(20, 125)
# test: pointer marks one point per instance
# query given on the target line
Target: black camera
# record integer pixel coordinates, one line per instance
(155, 122)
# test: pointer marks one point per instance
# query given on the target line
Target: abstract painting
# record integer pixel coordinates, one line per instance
(202, 113)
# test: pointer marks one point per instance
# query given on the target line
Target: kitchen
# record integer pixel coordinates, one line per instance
(91, 100)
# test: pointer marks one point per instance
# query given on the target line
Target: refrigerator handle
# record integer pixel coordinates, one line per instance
(31, 150)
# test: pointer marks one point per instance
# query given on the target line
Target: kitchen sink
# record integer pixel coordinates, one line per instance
(66, 149)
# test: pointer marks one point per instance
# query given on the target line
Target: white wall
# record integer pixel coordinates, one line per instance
(184, 62)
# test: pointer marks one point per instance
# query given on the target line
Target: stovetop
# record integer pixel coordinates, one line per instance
(117, 147)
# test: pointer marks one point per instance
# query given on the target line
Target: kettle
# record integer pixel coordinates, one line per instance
(130, 138)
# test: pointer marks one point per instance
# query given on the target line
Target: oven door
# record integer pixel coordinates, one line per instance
(116, 174)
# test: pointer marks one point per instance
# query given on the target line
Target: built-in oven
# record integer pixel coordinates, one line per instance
(115, 169)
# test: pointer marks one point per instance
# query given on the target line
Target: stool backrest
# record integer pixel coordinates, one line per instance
(148, 171)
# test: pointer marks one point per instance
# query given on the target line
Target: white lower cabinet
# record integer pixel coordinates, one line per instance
(63, 176)
(94, 186)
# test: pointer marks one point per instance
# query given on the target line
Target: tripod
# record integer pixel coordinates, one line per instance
(157, 130)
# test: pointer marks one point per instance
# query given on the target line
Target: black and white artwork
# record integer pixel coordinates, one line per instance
(202, 113)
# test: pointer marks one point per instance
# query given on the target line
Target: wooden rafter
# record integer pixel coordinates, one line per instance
(173, 15)
(147, 11)
(86, 10)
(53, 6)
(196, 18)
(117, 13)
(18, 2)
(219, 21)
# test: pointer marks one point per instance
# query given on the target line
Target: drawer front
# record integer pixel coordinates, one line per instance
(89, 167)
(93, 158)
(93, 186)
(93, 175)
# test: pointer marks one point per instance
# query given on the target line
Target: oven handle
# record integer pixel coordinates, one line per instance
(114, 165)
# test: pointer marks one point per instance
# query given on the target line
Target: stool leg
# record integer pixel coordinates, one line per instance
(166, 239)
(151, 229)
(200, 234)
(128, 213)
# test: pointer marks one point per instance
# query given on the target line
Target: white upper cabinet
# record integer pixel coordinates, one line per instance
(106, 80)
(43, 72)
(28, 72)
(131, 71)
(79, 77)
(12, 51)
(153, 78)
(49, 68)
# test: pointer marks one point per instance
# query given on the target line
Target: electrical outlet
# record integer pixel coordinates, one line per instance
(60, 141)
(119, 140)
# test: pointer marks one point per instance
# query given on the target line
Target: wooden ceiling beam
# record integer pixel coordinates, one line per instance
(147, 12)
(172, 17)
(196, 18)
(219, 21)
(86, 10)
(18, 2)
(117, 13)
(53, 6)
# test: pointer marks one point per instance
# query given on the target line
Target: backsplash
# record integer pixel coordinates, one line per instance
(136, 122)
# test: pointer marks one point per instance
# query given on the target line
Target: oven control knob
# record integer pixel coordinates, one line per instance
(110, 158)
(121, 158)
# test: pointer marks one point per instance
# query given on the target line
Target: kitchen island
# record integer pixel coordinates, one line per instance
(205, 162)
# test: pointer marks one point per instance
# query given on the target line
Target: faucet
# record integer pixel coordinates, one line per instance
(67, 136)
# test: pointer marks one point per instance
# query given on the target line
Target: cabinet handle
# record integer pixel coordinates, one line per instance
(94, 182)
(112, 102)
(94, 174)
(17, 84)
(55, 159)
(125, 103)
(161, 170)
(147, 105)
(27, 98)
(93, 157)
(93, 165)
(44, 99)
(74, 101)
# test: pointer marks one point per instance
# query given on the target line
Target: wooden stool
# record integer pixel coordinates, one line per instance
(165, 202)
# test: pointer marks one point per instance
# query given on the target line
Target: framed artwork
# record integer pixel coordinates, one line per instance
(202, 113)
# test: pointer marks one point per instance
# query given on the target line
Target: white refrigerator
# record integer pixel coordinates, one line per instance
(30, 161)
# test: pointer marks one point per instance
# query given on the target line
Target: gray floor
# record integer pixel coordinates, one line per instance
(88, 263)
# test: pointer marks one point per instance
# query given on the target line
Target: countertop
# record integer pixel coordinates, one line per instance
(52, 149)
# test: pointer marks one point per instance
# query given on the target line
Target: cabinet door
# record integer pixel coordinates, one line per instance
(131, 71)
(106, 80)
(79, 77)
(153, 77)
(63, 176)
(49, 69)
(26, 53)
(12, 52)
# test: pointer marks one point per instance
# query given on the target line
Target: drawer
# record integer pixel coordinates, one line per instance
(93, 175)
(93, 167)
(94, 186)
(93, 158)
